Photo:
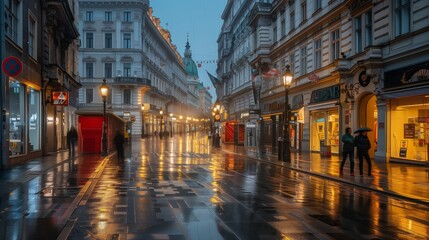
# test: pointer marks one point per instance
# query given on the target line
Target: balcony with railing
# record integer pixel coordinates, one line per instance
(132, 80)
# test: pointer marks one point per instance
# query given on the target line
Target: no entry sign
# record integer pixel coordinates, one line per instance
(12, 66)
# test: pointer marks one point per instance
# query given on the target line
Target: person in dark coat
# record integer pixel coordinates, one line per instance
(72, 140)
(118, 140)
(363, 145)
(348, 149)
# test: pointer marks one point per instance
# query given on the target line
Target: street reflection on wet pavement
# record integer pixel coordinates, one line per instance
(181, 188)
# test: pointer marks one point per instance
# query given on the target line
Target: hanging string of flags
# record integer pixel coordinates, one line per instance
(200, 63)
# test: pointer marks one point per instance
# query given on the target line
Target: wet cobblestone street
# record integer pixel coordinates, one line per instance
(181, 188)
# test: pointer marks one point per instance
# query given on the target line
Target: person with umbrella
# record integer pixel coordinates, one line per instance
(363, 145)
(348, 149)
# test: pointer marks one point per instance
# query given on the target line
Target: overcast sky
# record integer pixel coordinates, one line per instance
(201, 19)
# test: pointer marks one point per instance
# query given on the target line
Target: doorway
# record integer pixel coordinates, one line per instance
(368, 117)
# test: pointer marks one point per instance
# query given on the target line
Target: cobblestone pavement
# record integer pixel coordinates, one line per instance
(181, 188)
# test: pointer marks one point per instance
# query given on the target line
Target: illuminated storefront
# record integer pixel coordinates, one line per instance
(409, 133)
(324, 130)
(324, 119)
(24, 120)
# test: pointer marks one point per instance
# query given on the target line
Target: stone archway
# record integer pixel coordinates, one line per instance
(368, 117)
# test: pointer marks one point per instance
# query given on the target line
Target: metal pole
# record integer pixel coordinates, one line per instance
(142, 125)
(160, 134)
(104, 138)
(286, 140)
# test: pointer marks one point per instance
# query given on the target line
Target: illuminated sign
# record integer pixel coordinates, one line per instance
(60, 98)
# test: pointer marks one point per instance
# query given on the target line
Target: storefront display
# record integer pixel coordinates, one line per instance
(410, 128)
(34, 131)
(17, 118)
(325, 130)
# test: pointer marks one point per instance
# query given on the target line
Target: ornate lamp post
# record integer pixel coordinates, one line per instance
(104, 92)
(171, 125)
(142, 121)
(161, 132)
(287, 80)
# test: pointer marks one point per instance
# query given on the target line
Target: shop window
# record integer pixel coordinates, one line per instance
(16, 118)
(410, 128)
(34, 120)
(333, 131)
(317, 130)
(325, 130)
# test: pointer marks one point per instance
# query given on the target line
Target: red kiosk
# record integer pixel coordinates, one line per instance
(91, 131)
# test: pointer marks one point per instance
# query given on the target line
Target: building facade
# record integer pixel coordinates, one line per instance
(234, 86)
(41, 38)
(124, 43)
(354, 64)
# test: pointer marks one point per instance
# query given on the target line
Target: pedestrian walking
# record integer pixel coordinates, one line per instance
(118, 140)
(363, 145)
(348, 150)
(72, 138)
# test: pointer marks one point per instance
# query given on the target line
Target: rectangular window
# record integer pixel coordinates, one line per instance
(274, 34)
(317, 54)
(11, 19)
(127, 96)
(292, 20)
(34, 120)
(90, 40)
(402, 17)
(89, 95)
(368, 28)
(17, 123)
(283, 25)
(358, 34)
(109, 96)
(303, 11)
(89, 70)
(32, 36)
(335, 45)
(108, 70)
(303, 60)
(108, 40)
(317, 4)
(127, 40)
(127, 69)
(292, 63)
(89, 16)
(108, 16)
(127, 16)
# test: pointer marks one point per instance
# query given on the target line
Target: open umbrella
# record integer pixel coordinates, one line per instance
(363, 129)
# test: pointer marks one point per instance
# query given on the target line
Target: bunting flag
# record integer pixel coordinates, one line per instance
(213, 79)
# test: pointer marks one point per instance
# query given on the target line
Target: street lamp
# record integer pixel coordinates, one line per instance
(171, 125)
(142, 120)
(160, 133)
(287, 80)
(104, 92)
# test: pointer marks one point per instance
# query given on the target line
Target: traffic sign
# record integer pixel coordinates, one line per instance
(12, 66)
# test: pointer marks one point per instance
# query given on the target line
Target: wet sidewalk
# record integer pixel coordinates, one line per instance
(404, 181)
